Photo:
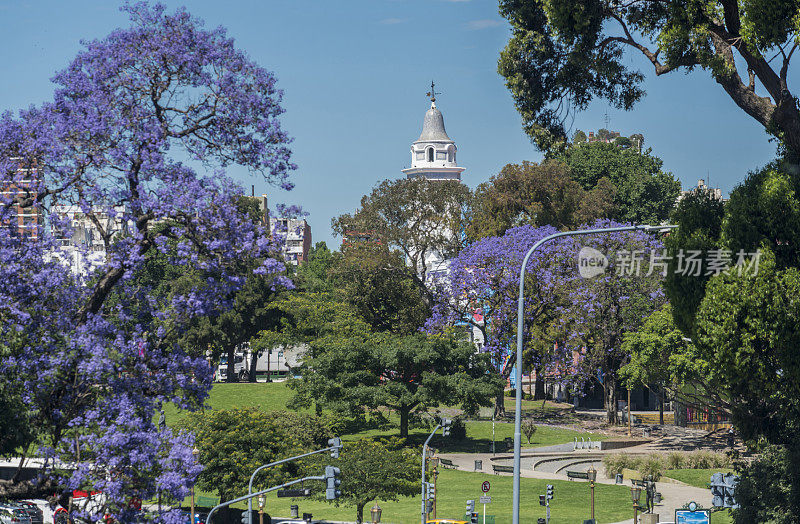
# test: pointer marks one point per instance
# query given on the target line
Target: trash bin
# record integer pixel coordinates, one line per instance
(478, 465)
(618, 478)
(295, 510)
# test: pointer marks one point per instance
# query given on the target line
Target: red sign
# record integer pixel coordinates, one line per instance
(485, 486)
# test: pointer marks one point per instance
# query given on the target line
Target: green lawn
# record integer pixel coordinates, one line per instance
(570, 505)
(275, 396)
(698, 478)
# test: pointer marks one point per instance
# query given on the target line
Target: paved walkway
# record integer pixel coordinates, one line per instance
(674, 495)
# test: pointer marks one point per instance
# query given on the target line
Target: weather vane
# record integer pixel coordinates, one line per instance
(432, 93)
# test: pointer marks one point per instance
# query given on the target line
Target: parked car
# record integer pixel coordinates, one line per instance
(34, 511)
(18, 515)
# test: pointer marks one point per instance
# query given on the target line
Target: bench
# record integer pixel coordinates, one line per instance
(577, 475)
(502, 469)
(447, 463)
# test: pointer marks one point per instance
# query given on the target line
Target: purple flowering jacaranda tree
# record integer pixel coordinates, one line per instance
(140, 130)
(482, 287)
(605, 306)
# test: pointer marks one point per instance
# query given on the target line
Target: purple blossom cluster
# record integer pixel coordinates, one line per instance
(573, 315)
(141, 127)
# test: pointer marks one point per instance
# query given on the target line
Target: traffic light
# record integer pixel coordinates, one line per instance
(550, 494)
(717, 490)
(723, 488)
(332, 482)
(730, 480)
(336, 444)
(247, 517)
(430, 491)
(470, 507)
(542, 500)
(473, 517)
(446, 423)
(429, 506)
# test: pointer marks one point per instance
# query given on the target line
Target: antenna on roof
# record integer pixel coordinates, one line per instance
(432, 93)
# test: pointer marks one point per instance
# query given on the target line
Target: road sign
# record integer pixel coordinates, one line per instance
(485, 500)
(485, 486)
(685, 516)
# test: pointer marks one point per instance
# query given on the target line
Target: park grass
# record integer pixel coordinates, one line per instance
(479, 437)
(454, 488)
(276, 395)
(698, 478)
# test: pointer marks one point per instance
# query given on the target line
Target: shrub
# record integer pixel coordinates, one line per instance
(675, 461)
(458, 429)
(651, 466)
(614, 463)
(528, 429)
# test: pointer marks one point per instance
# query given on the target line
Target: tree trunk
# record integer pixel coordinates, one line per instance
(231, 374)
(539, 394)
(269, 357)
(404, 421)
(500, 405)
(610, 398)
(661, 406)
(360, 512)
(251, 373)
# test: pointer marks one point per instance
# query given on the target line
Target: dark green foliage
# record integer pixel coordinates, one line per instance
(375, 470)
(748, 330)
(644, 193)
(381, 288)
(232, 443)
(538, 195)
(766, 490)
(699, 217)
(563, 54)
(458, 429)
(314, 273)
(353, 372)
(765, 208)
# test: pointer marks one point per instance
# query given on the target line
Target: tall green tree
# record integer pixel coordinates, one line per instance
(232, 443)
(664, 359)
(644, 193)
(538, 195)
(376, 470)
(418, 217)
(699, 217)
(362, 370)
(564, 54)
(381, 287)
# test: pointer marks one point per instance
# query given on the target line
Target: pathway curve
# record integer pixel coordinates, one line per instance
(675, 495)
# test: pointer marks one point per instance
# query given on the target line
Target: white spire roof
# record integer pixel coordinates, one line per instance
(433, 127)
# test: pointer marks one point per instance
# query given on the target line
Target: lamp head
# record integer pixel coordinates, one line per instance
(592, 473)
(375, 513)
(636, 493)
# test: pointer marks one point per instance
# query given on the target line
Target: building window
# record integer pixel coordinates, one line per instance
(430, 154)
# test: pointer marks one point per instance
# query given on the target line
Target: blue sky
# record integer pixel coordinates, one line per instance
(355, 74)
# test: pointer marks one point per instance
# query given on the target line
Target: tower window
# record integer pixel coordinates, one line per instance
(430, 154)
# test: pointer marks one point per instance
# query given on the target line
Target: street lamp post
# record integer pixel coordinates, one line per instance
(435, 476)
(592, 477)
(334, 445)
(375, 513)
(195, 452)
(262, 500)
(636, 493)
(520, 313)
(445, 431)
